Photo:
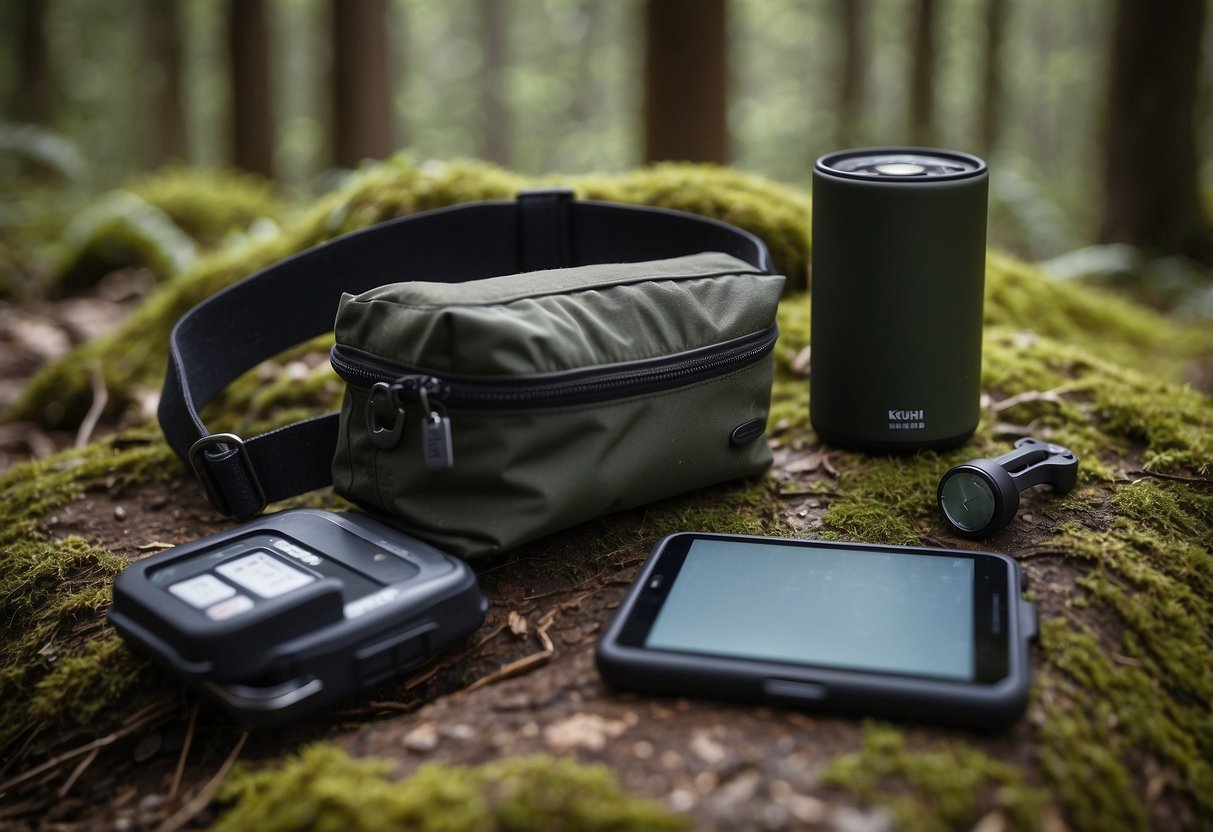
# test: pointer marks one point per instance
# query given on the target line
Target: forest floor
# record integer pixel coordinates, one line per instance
(524, 683)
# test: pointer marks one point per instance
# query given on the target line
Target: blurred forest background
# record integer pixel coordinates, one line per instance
(1096, 116)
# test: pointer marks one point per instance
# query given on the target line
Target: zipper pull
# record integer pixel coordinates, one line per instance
(436, 449)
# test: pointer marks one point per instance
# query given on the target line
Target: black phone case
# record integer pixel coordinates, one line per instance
(300, 652)
(974, 705)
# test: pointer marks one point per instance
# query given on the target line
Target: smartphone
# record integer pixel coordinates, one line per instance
(905, 632)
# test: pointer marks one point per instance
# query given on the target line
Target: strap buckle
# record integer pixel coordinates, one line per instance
(210, 484)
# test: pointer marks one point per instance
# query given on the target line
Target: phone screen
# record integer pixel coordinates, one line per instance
(911, 612)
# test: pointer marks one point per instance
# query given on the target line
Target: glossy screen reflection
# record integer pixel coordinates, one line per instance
(853, 609)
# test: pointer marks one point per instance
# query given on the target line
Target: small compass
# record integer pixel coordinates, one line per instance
(979, 497)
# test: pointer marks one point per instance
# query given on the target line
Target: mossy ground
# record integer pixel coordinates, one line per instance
(1119, 733)
(324, 789)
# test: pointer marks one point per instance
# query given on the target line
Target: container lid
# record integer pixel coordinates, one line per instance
(900, 164)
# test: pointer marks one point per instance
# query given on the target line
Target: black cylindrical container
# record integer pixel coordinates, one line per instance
(899, 244)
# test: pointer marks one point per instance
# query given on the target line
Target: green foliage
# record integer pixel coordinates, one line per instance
(324, 789)
(947, 785)
(26, 146)
(120, 230)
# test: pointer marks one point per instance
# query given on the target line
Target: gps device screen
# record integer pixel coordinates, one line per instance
(907, 612)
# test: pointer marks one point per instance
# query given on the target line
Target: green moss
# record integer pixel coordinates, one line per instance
(948, 785)
(209, 205)
(1019, 297)
(324, 789)
(790, 394)
(881, 499)
(1142, 687)
(778, 214)
(1098, 401)
(121, 230)
(53, 665)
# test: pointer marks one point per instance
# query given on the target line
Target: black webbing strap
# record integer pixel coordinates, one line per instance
(296, 300)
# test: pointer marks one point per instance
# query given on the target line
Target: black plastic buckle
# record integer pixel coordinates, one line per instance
(210, 485)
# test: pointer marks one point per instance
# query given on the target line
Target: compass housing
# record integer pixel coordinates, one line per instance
(977, 498)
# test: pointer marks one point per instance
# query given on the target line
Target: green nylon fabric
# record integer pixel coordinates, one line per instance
(521, 473)
(561, 319)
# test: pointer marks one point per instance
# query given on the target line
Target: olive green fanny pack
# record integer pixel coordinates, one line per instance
(619, 356)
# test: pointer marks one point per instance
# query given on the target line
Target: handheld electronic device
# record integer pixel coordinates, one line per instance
(293, 610)
(917, 633)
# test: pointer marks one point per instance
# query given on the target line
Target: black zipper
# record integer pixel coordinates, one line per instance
(572, 387)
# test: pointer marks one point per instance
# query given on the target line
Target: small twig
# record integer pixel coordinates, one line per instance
(387, 705)
(145, 717)
(200, 801)
(24, 747)
(185, 750)
(101, 398)
(84, 764)
(157, 545)
(805, 492)
(1172, 477)
(526, 663)
(1052, 396)
(417, 681)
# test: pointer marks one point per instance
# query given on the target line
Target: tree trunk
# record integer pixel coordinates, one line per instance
(992, 88)
(1150, 162)
(852, 63)
(921, 117)
(362, 97)
(252, 112)
(686, 79)
(495, 134)
(34, 93)
(169, 139)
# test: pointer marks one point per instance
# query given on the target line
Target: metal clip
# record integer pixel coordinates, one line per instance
(384, 437)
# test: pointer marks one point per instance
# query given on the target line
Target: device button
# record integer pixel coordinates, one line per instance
(233, 606)
(202, 590)
(790, 689)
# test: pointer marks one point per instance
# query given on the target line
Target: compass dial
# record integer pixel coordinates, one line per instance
(967, 500)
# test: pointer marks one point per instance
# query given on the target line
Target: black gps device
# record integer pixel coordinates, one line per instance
(932, 634)
(291, 611)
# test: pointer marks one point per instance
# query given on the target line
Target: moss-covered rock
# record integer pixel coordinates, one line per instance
(120, 230)
(210, 205)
